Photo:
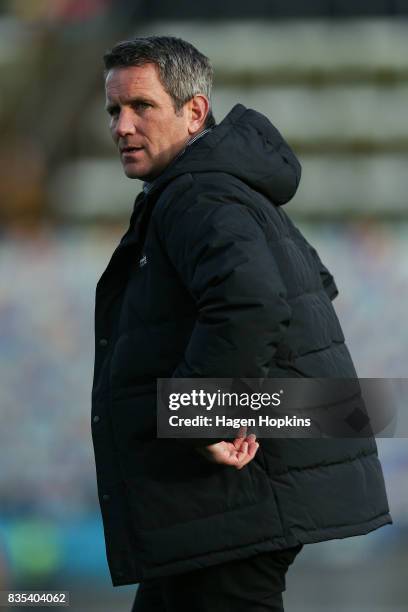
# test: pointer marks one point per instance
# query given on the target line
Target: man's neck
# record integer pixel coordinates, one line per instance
(148, 185)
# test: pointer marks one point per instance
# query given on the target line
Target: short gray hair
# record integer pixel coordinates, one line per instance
(183, 71)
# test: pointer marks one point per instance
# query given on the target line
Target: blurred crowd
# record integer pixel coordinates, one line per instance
(55, 11)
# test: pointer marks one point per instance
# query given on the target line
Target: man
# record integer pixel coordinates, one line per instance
(212, 279)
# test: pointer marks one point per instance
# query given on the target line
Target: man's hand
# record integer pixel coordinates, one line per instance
(237, 453)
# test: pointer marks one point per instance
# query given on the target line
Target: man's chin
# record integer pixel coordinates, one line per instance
(133, 173)
(142, 174)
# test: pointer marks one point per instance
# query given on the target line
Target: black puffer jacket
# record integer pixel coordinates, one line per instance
(213, 279)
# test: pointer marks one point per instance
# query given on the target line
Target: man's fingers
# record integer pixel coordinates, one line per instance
(240, 437)
(249, 455)
(237, 454)
(242, 431)
(242, 452)
(252, 448)
(238, 443)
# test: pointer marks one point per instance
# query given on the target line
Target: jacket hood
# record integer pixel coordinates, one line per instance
(246, 145)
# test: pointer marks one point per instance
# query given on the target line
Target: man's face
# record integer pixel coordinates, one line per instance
(143, 124)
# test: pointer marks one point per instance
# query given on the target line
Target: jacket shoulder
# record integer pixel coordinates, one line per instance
(204, 192)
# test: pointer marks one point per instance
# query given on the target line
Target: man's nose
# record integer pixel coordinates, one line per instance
(125, 124)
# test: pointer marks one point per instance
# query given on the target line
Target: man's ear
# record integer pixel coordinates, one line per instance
(197, 109)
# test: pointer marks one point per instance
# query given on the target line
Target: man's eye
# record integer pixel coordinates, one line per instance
(142, 105)
(113, 112)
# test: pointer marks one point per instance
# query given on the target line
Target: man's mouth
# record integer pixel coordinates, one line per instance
(130, 149)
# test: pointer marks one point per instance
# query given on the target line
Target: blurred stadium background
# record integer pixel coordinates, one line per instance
(332, 75)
